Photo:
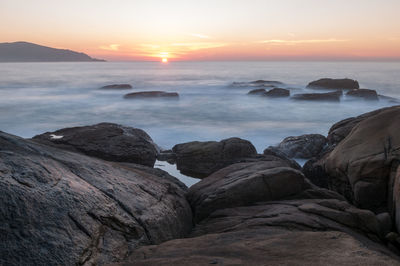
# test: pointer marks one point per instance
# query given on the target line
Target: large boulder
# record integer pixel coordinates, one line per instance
(304, 146)
(328, 96)
(151, 94)
(64, 208)
(200, 159)
(267, 213)
(328, 83)
(107, 141)
(365, 158)
(365, 94)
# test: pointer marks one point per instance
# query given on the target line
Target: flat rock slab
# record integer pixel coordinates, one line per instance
(151, 94)
(117, 87)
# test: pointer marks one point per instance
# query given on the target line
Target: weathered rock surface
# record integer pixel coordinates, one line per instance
(366, 157)
(200, 159)
(64, 208)
(151, 94)
(304, 146)
(328, 96)
(328, 83)
(267, 213)
(365, 94)
(117, 86)
(277, 93)
(107, 141)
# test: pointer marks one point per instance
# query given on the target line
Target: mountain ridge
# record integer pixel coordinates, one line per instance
(22, 51)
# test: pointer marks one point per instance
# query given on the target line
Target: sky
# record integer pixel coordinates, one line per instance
(125, 30)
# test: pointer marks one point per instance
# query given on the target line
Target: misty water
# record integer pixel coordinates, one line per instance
(40, 97)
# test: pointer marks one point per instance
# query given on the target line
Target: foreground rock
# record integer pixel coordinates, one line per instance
(277, 93)
(304, 146)
(365, 94)
(200, 159)
(328, 83)
(269, 214)
(107, 141)
(63, 208)
(329, 96)
(363, 164)
(117, 87)
(151, 94)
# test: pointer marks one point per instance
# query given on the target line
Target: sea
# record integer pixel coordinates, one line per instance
(41, 97)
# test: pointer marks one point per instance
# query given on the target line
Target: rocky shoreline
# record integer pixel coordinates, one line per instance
(90, 196)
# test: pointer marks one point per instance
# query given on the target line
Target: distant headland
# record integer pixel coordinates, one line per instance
(30, 52)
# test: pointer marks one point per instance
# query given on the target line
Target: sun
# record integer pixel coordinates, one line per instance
(164, 60)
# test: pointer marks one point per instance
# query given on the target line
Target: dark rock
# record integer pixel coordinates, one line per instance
(342, 128)
(328, 96)
(117, 86)
(257, 83)
(151, 94)
(328, 83)
(200, 159)
(385, 223)
(239, 223)
(64, 208)
(304, 146)
(107, 141)
(364, 94)
(167, 156)
(277, 92)
(273, 151)
(244, 184)
(366, 162)
(257, 92)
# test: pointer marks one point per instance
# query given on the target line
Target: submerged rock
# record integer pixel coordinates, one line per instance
(107, 141)
(304, 146)
(257, 92)
(118, 86)
(257, 83)
(64, 208)
(364, 94)
(328, 83)
(200, 159)
(151, 94)
(328, 96)
(277, 92)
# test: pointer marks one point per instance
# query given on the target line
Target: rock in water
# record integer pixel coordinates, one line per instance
(200, 159)
(107, 141)
(328, 83)
(257, 92)
(304, 146)
(117, 86)
(365, 94)
(63, 208)
(277, 93)
(151, 94)
(329, 96)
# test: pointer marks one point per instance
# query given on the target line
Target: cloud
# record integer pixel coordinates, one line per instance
(111, 47)
(192, 46)
(201, 36)
(294, 42)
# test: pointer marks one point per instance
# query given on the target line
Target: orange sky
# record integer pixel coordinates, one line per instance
(208, 30)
